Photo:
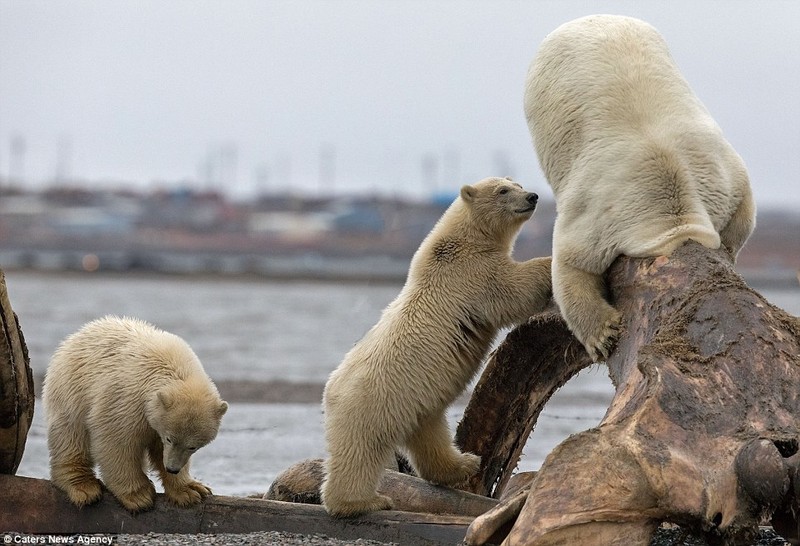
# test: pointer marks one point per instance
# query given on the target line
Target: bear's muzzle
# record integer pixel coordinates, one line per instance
(532, 199)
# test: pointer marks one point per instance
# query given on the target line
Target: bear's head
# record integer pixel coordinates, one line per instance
(186, 416)
(498, 206)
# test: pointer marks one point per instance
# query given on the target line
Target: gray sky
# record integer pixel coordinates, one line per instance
(388, 96)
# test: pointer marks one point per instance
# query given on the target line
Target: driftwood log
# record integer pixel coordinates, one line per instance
(301, 483)
(704, 429)
(36, 506)
(16, 386)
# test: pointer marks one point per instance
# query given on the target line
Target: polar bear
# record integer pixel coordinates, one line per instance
(636, 163)
(392, 389)
(118, 394)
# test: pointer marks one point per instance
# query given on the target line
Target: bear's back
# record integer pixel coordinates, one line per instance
(123, 354)
(636, 162)
(610, 77)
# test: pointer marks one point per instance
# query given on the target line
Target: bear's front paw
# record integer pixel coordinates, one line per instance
(85, 492)
(350, 508)
(201, 488)
(187, 494)
(602, 341)
(138, 500)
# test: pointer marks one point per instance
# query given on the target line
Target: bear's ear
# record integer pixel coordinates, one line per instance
(165, 399)
(222, 408)
(468, 193)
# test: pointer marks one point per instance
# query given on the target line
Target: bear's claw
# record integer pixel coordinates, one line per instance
(85, 492)
(458, 471)
(187, 494)
(138, 500)
(602, 343)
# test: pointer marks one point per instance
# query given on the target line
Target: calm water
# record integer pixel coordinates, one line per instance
(260, 330)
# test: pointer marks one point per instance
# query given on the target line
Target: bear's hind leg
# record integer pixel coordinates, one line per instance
(740, 226)
(180, 489)
(434, 456)
(121, 466)
(352, 473)
(71, 465)
(591, 319)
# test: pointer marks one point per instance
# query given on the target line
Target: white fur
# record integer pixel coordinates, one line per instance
(636, 162)
(393, 387)
(125, 396)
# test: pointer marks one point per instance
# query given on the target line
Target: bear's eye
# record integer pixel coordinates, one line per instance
(502, 191)
(168, 440)
(192, 449)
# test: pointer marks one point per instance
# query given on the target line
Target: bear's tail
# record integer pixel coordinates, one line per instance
(665, 243)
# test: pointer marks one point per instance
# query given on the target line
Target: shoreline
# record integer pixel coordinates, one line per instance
(276, 391)
(243, 391)
(769, 279)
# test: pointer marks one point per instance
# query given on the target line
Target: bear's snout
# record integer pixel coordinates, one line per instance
(530, 198)
(173, 470)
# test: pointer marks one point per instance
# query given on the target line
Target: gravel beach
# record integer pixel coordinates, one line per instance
(669, 536)
(665, 536)
(266, 538)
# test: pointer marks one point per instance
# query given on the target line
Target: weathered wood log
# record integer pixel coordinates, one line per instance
(704, 429)
(16, 386)
(36, 506)
(301, 483)
(533, 362)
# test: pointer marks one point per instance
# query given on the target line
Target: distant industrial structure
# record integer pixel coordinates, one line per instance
(344, 237)
(186, 231)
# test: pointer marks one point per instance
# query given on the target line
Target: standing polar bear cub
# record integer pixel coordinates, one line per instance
(393, 387)
(118, 394)
(636, 163)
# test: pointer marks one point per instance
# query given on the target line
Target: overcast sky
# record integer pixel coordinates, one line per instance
(338, 96)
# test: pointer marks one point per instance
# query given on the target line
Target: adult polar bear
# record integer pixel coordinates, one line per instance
(636, 163)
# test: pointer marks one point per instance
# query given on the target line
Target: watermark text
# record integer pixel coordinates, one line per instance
(13, 538)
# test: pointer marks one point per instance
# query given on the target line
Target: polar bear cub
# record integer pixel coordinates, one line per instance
(392, 389)
(636, 163)
(125, 396)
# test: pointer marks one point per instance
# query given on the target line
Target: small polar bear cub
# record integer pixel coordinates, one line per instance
(126, 396)
(636, 163)
(393, 388)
